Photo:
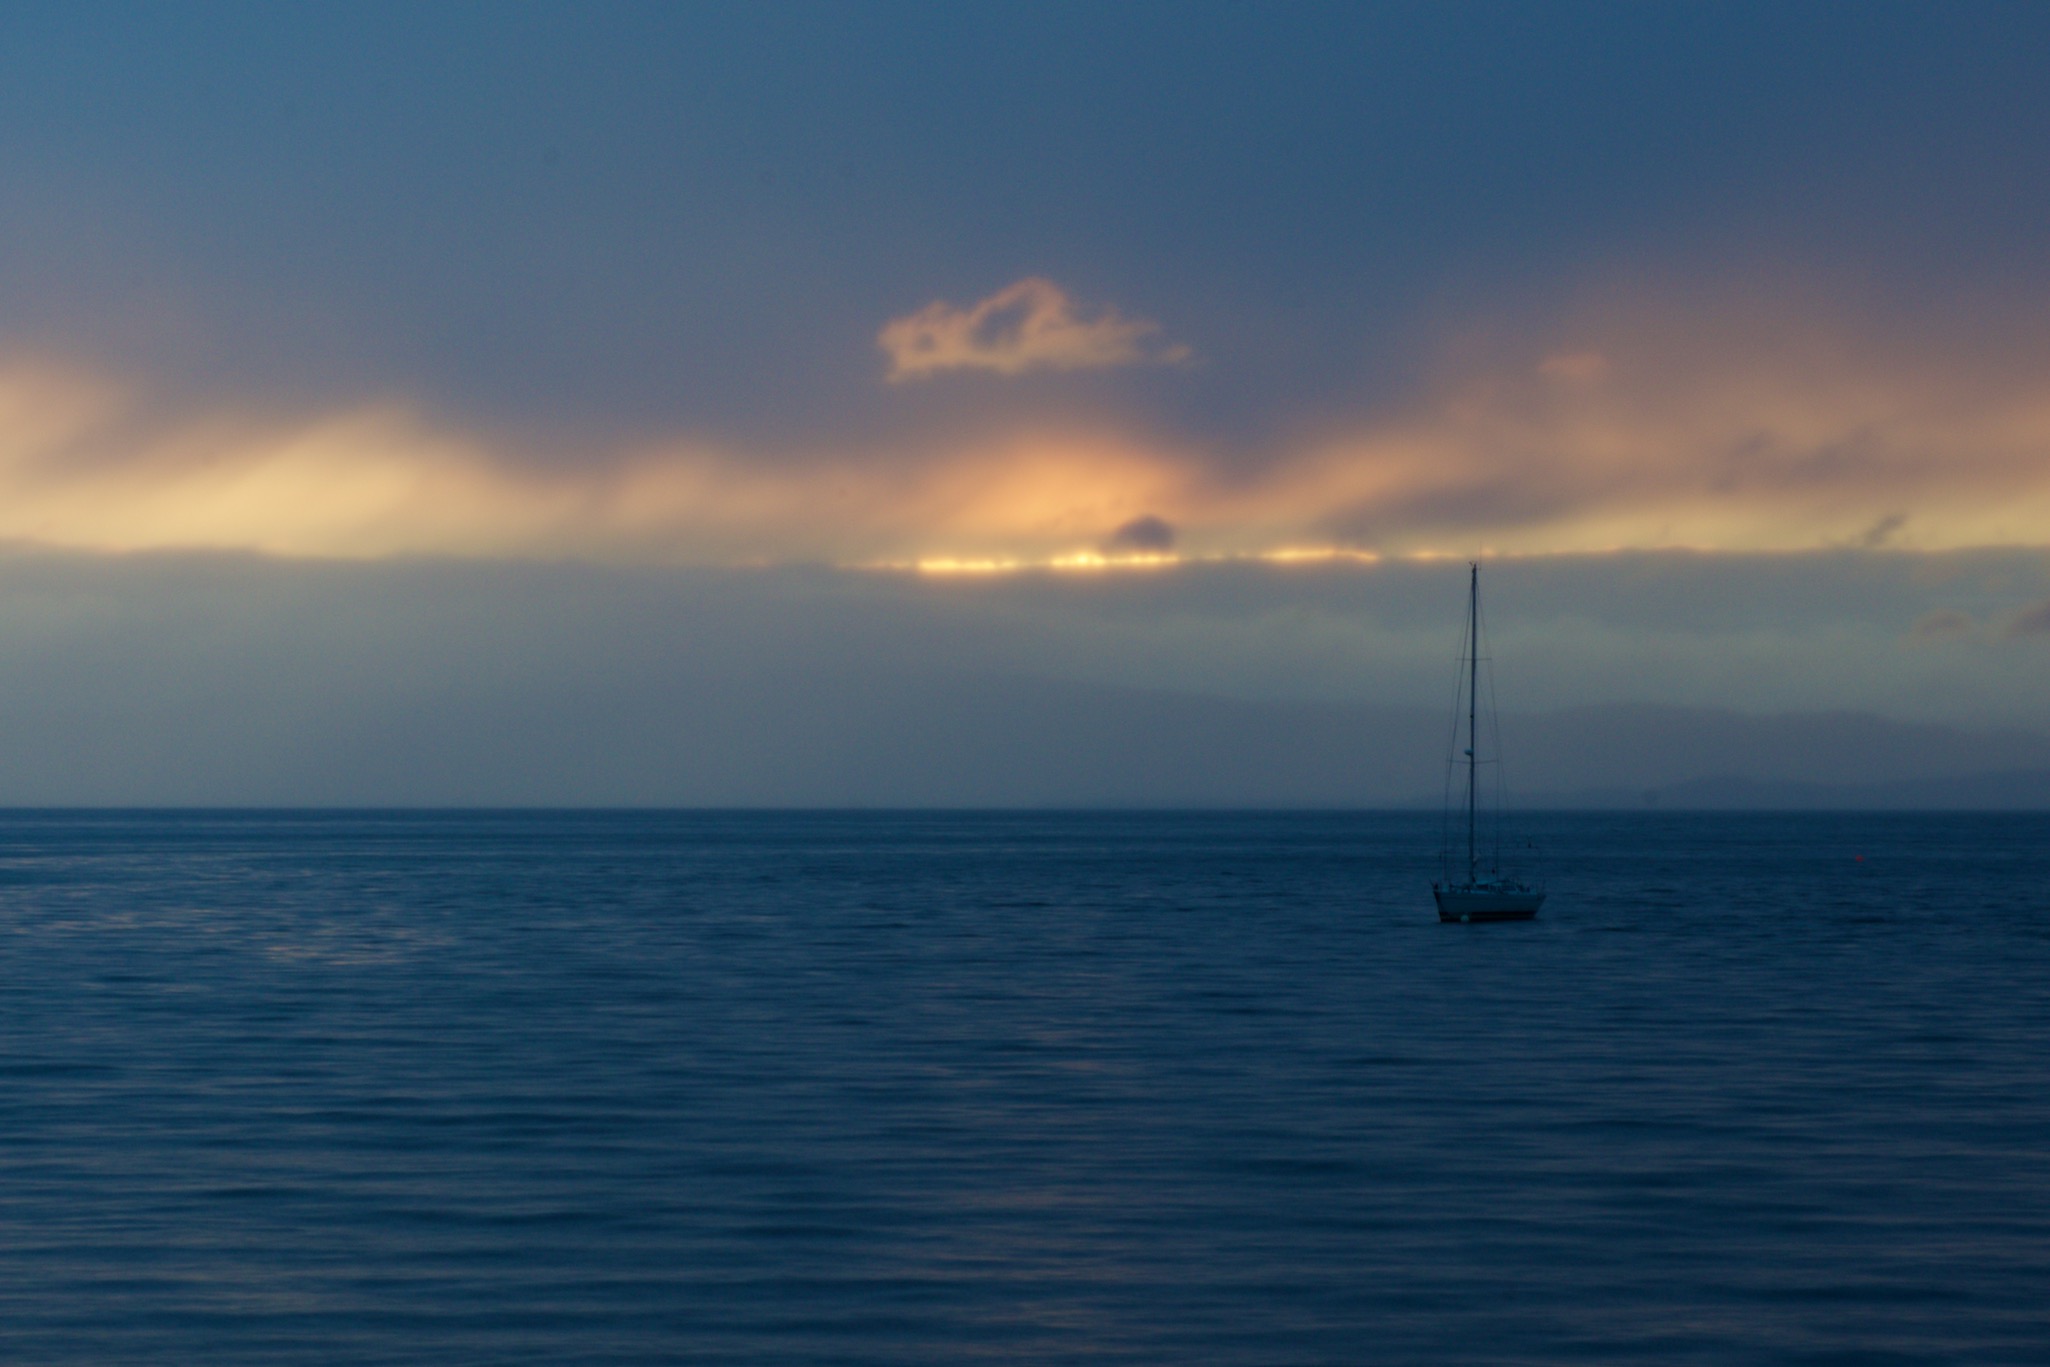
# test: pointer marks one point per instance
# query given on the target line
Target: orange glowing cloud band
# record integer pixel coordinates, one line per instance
(1641, 441)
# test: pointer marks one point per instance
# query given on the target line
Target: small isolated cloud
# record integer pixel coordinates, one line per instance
(1032, 325)
(1881, 532)
(1148, 533)
(2033, 621)
(1943, 625)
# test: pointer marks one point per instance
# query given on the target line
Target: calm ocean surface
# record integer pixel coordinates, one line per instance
(900, 1088)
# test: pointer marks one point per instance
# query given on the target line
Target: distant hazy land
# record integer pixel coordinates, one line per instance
(223, 681)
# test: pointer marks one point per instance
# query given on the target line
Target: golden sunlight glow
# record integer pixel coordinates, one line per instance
(1097, 562)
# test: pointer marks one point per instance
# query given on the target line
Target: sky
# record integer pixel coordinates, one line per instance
(646, 403)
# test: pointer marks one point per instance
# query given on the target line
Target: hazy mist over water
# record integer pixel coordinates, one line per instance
(225, 681)
(354, 1088)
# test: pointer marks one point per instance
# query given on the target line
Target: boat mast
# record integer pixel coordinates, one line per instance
(1473, 678)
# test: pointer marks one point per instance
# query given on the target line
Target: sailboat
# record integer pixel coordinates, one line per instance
(1483, 894)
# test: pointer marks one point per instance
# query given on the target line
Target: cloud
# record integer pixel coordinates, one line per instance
(1720, 425)
(1720, 419)
(1578, 367)
(90, 463)
(1942, 625)
(2032, 621)
(1032, 325)
(1148, 533)
(1882, 531)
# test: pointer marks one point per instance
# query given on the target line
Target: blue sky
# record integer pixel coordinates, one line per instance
(727, 292)
(696, 217)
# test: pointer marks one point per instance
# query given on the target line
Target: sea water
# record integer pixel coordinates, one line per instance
(915, 1088)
